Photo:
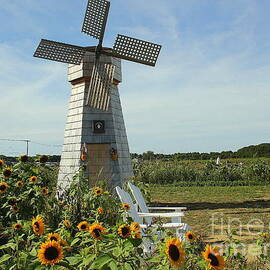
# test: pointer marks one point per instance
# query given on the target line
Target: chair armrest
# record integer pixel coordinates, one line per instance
(167, 208)
(175, 225)
(168, 215)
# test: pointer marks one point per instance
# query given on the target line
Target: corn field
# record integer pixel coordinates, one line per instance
(197, 173)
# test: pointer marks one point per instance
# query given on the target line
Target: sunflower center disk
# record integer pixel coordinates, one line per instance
(97, 232)
(125, 231)
(2, 187)
(53, 239)
(51, 253)
(214, 260)
(174, 253)
(36, 225)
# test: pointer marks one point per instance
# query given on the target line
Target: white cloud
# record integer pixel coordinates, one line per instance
(33, 100)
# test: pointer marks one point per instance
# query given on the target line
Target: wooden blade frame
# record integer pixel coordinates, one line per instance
(95, 19)
(60, 52)
(136, 50)
(99, 89)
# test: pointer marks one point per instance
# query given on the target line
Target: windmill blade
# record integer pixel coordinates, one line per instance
(99, 89)
(95, 18)
(60, 52)
(136, 50)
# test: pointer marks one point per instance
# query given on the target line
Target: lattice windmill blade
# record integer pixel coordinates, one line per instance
(136, 50)
(60, 52)
(95, 18)
(98, 96)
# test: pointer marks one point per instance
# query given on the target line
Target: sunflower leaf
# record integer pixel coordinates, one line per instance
(101, 261)
(135, 242)
(9, 245)
(33, 252)
(5, 258)
(127, 266)
(88, 259)
(113, 265)
(75, 241)
(73, 260)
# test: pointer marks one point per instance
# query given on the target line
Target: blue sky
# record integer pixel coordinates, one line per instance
(208, 92)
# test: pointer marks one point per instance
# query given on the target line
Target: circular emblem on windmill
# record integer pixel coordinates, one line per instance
(99, 126)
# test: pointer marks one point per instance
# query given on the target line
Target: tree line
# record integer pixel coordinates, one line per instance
(252, 151)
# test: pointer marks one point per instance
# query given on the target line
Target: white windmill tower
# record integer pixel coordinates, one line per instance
(95, 132)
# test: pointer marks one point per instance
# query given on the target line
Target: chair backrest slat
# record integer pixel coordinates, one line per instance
(137, 194)
(125, 198)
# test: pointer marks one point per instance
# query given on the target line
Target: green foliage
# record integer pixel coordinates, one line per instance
(203, 174)
(261, 150)
(21, 246)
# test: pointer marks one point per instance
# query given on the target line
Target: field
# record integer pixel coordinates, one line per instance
(245, 209)
(238, 172)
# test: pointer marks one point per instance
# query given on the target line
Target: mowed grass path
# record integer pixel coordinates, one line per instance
(214, 210)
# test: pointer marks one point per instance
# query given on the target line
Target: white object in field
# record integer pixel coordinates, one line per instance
(137, 194)
(181, 228)
(218, 161)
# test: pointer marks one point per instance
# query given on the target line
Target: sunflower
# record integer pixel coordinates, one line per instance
(98, 191)
(7, 172)
(15, 208)
(100, 210)
(124, 231)
(135, 227)
(38, 225)
(175, 252)
(17, 226)
(83, 226)
(67, 223)
(24, 158)
(33, 179)
(190, 236)
(135, 230)
(43, 159)
(19, 184)
(3, 187)
(96, 230)
(126, 206)
(54, 237)
(50, 253)
(211, 255)
(12, 201)
(63, 243)
(137, 235)
(44, 191)
(1, 163)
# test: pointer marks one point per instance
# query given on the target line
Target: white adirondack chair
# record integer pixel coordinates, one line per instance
(139, 216)
(137, 194)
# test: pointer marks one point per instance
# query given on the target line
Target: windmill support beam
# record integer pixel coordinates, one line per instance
(108, 156)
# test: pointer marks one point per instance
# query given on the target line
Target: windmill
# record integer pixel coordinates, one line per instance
(102, 74)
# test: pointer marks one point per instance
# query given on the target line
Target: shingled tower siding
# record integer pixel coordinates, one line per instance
(79, 125)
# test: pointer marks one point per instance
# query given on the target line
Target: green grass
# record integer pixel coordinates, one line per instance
(233, 208)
